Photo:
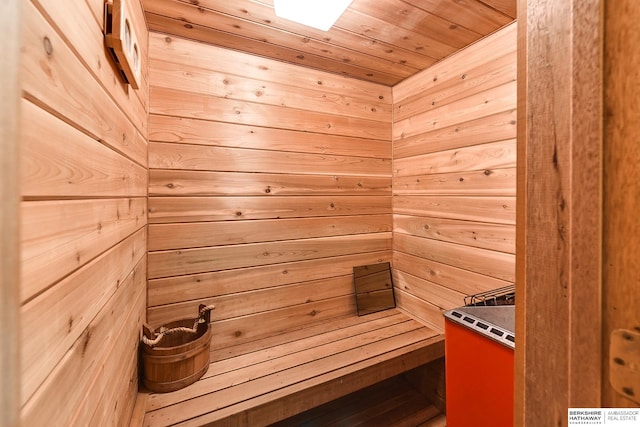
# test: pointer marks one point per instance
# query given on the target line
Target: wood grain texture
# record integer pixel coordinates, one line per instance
(560, 216)
(84, 213)
(287, 368)
(372, 42)
(202, 132)
(61, 83)
(213, 284)
(621, 267)
(10, 21)
(259, 167)
(454, 178)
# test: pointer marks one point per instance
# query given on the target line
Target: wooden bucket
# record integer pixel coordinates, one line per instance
(179, 359)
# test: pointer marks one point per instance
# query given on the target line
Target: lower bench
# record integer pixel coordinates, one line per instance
(267, 380)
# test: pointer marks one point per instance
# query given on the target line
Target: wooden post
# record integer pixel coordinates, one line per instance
(9, 195)
(558, 268)
(621, 245)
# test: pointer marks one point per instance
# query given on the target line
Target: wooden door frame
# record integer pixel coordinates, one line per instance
(559, 210)
(9, 213)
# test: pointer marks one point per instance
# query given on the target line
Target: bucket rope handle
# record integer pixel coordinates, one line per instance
(167, 331)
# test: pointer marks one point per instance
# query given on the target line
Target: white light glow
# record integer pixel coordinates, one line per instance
(320, 14)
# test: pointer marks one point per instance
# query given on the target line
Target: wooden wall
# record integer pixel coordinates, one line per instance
(454, 178)
(83, 213)
(268, 183)
(9, 213)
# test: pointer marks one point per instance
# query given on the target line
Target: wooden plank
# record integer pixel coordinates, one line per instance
(206, 285)
(499, 210)
(441, 296)
(60, 82)
(189, 209)
(10, 22)
(266, 40)
(483, 51)
(200, 234)
(497, 237)
(203, 132)
(246, 303)
(86, 37)
(467, 82)
(204, 183)
(261, 13)
(495, 155)
(455, 278)
(395, 15)
(290, 370)
(111, 397)
(137, 417)
(491, 128)
(200, 157)
(70, 382)
(423, 310)
(321, 389)
(491, 263)
(187, 52)
(58, 237)
(473, 14)
(189, 261)
(560, 213)
(209, 35)
(488, 182)
(389, 402)
(492, 101)
(228, 358)
(198, 106)
(188, 78)
(256, 326)
(68, 308)
(621, 201)
(58, 160)
(508, 7)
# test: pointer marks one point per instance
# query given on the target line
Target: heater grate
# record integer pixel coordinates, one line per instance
(500, 296)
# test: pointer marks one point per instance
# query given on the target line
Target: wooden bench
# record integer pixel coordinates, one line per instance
(260, 382)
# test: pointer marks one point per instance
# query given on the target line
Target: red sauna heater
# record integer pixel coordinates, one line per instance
(479, 345)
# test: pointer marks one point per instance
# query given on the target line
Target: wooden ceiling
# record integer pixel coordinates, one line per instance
(383, 41)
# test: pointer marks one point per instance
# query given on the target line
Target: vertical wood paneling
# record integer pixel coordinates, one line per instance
(268, 183)
(559, 243)
(10, 22)
(454, 177)
(84, 213)
(621, 194)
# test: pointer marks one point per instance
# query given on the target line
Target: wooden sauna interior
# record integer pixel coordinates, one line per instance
(256, 165)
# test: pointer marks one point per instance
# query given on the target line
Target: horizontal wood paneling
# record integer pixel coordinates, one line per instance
(454, 174)
(208, 107)
(203, 158)
(210, 81)
(199, 260)
(61, 83)
(268, 184)
(202, 132)
(76, 232)
(190, 235)
(206, 183)
(190, 209)
(84, 213)
(198, 287)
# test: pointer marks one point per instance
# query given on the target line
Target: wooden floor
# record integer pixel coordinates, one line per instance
(391, 403)
(258, 383)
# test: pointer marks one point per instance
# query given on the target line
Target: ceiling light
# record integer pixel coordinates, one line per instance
(320, 14)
